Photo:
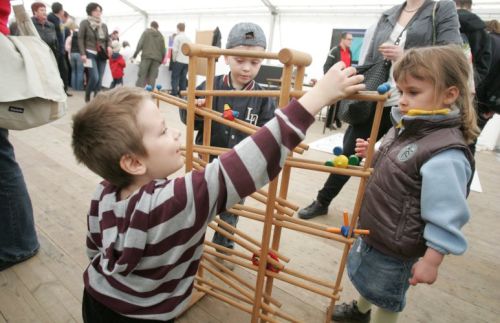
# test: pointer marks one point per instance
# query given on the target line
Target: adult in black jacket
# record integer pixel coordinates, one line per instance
(56, 17)
(474, 30)
(341, 52)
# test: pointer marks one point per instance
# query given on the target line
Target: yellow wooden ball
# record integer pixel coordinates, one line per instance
(341, 161)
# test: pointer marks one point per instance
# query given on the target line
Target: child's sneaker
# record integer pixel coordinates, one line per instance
(350, 313)
(229, 265)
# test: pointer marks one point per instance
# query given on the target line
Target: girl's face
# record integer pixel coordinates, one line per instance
(421, 95)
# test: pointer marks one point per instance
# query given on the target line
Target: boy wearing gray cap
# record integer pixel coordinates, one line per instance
(255, 110)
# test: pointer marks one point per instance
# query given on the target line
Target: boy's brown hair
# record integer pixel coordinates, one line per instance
(106, 129)
(444, 66)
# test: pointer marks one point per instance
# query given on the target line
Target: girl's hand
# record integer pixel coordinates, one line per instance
(425, 270)
(391, 52)
(199, 102)
(361, 147)
(83, 58)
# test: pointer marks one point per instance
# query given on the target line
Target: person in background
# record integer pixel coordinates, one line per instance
(75, 59)
(152, 46)
(414, 24)
(341, 52)
(93, 42)
(56, 17)
(116, 64)
(126, 51)
(474, 33)
(18, 239)
(179, 61)
(45, 28)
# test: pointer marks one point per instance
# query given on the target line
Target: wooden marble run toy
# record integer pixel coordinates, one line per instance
(263, 256)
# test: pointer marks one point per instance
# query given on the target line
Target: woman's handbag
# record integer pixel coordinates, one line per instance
(32, 92)
(356, 112)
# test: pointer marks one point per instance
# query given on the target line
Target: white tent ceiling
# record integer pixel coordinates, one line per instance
(300, 24)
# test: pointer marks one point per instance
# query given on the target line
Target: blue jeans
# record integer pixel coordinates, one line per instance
(76, 71)
(231, 219)
(95, 74)
(380, 279)
(179, 77)
(18, 239)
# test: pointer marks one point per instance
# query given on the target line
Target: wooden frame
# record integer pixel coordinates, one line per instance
(278, 213)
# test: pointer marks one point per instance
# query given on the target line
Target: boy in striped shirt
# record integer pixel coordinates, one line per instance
(145, 231)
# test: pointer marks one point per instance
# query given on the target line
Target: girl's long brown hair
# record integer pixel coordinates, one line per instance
(444, 66)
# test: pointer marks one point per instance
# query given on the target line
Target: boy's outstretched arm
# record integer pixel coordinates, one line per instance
(337, 83)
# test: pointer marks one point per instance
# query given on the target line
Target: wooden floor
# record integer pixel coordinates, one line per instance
(48, 287)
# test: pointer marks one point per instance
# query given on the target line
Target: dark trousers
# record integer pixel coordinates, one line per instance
(179, 78)
(63, 69)
(116, 82)
(95, 312)
(18, 240)
(335, 182)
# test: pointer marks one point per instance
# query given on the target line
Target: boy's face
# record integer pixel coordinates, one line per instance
(162, 144)
(243, 69)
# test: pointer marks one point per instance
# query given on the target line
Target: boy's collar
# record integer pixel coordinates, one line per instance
(227, 81)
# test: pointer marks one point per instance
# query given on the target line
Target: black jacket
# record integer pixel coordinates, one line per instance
(474, 30)
(488, 94)
(255, 110)
(333, 57)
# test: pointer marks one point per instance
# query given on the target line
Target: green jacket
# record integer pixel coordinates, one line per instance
(152, 45)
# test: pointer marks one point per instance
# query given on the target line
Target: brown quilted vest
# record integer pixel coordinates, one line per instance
(391, 205)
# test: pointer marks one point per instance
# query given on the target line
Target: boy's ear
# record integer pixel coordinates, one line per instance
(132, 165)
(450, 95)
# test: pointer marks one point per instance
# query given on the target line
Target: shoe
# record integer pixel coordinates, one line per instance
(338, 123)
(68, 94)
(350, 313)
(313, 210)
(87, 97)
(229, 265)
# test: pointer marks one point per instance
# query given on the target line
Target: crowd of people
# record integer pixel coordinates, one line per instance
(83, 50)
(414, 211)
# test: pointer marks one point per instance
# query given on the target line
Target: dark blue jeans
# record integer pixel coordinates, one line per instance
(18, 239)
(95, 74)
(179, 78)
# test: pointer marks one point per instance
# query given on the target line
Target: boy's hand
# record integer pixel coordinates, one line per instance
(361, 147)
(337, 83)
(199, 102)
(425, 270)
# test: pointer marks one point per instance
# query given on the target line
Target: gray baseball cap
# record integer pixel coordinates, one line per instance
(246, 34)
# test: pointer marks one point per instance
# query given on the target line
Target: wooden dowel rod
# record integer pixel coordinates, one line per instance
(228, 251)
(309, 224)
(234, 230)
(236, 93)
(300, 284)
(314, 232)
(241, 242)
(328, 169)
(226, 280)
(294, 57)
(249, 209)
(278, 207)
(279, 276)
(244, 299)
(192, 49)
(224, 290)
(281, 201)
(230, 273)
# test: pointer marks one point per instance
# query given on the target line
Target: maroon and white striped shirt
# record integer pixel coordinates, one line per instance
(145, 250)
